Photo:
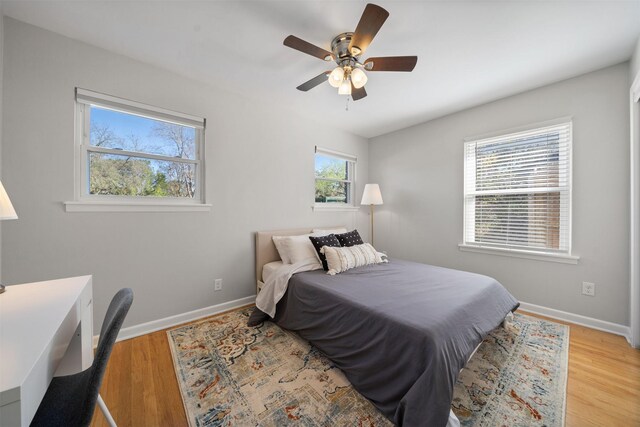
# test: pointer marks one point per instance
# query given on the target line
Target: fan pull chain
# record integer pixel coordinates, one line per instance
(346, 107)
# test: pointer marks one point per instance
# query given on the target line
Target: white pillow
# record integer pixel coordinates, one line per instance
(327, 231)
(345, 258)
(277, 240)
(300, 248)
(293, 249)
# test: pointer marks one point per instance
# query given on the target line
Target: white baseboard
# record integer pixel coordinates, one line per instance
(578, 319)
(167, 322)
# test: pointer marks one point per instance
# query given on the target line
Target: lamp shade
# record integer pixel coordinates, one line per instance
(371, 195)
(6, 208)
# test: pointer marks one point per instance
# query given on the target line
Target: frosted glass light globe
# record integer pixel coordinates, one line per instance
(336, 77)
(345, 87)
(359, 78)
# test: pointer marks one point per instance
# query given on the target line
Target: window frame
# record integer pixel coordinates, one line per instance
(543, 254)
(84, 201)
(352, 162)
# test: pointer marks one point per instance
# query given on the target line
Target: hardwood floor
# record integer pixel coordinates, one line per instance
(140, 387)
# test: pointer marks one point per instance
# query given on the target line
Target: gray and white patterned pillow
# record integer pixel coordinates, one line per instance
(345, 258)
(351, 238)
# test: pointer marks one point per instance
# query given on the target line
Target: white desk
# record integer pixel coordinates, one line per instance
(46, 329)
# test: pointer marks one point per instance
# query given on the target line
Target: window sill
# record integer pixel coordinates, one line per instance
(108, 206)
(329, 208)
(517, 253)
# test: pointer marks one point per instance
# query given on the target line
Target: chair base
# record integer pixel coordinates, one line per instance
(105, 412)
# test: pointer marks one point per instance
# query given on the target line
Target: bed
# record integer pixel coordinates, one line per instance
(400, 331)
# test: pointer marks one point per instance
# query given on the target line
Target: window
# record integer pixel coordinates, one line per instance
(517, 191)
(130, 152)
(335, 178)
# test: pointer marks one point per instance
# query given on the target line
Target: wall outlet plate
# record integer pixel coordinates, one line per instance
(589, 289)
(217, 286)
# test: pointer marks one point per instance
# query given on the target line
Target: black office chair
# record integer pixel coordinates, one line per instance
(71, 400)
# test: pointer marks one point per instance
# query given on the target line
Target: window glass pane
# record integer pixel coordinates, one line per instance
(332, 191)
(531, 220)
(124, 131)
(330, 167)
(118, 175)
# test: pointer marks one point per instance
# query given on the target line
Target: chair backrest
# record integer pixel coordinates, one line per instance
(113, 320)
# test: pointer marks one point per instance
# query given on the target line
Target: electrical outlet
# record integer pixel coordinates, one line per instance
(589, 289)
(217, 285)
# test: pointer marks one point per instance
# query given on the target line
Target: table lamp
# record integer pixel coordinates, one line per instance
(371, 196)
(6, 211)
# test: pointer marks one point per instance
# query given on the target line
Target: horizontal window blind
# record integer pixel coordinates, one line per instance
(336, 154)
(90, 97)
(517, 191)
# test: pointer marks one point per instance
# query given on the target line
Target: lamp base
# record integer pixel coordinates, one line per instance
(1, 289)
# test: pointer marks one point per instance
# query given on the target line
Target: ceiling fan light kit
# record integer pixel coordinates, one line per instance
(349, 76)
(358, 78)
(336, 77)
(345, 87)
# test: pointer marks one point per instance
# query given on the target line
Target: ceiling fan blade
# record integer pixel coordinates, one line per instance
(357, 94)
(391, 63)
(372, 19)
(298, 44)
(317, 80)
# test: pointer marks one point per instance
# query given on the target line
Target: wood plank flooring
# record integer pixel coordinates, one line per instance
(140, 386)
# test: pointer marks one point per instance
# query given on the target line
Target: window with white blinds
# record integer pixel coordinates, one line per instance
(517, 191)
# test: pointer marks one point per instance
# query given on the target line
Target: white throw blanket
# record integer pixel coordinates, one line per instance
(275, 288)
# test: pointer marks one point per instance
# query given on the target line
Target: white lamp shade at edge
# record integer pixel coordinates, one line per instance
(371, 195)
(6, 208)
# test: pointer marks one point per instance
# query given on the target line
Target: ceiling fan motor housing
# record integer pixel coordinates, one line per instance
(340, 48)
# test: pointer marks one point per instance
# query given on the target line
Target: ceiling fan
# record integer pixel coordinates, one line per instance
(346, 48)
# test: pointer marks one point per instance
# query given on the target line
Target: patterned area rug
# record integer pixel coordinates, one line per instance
(231, 374)
(518, 377)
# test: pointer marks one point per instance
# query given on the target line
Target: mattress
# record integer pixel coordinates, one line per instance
(270, 268)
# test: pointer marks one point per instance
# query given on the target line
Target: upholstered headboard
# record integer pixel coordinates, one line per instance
(266, 251)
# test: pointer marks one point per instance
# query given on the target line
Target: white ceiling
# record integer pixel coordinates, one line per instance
(469, 53)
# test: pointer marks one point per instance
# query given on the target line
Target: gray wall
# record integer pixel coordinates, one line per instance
(420, 173)
(635, 61)
(634, 72)
(259, 177)
(1, 68)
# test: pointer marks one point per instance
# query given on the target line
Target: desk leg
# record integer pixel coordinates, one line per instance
(86, 334)
(79, 354)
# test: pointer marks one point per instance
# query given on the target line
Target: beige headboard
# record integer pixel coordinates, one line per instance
(266, 251)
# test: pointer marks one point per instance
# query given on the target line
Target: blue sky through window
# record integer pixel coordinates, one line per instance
(323, 162)
(121, 123)
(136, 133)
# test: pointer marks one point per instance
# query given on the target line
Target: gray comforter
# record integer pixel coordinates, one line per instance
(400, 331)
